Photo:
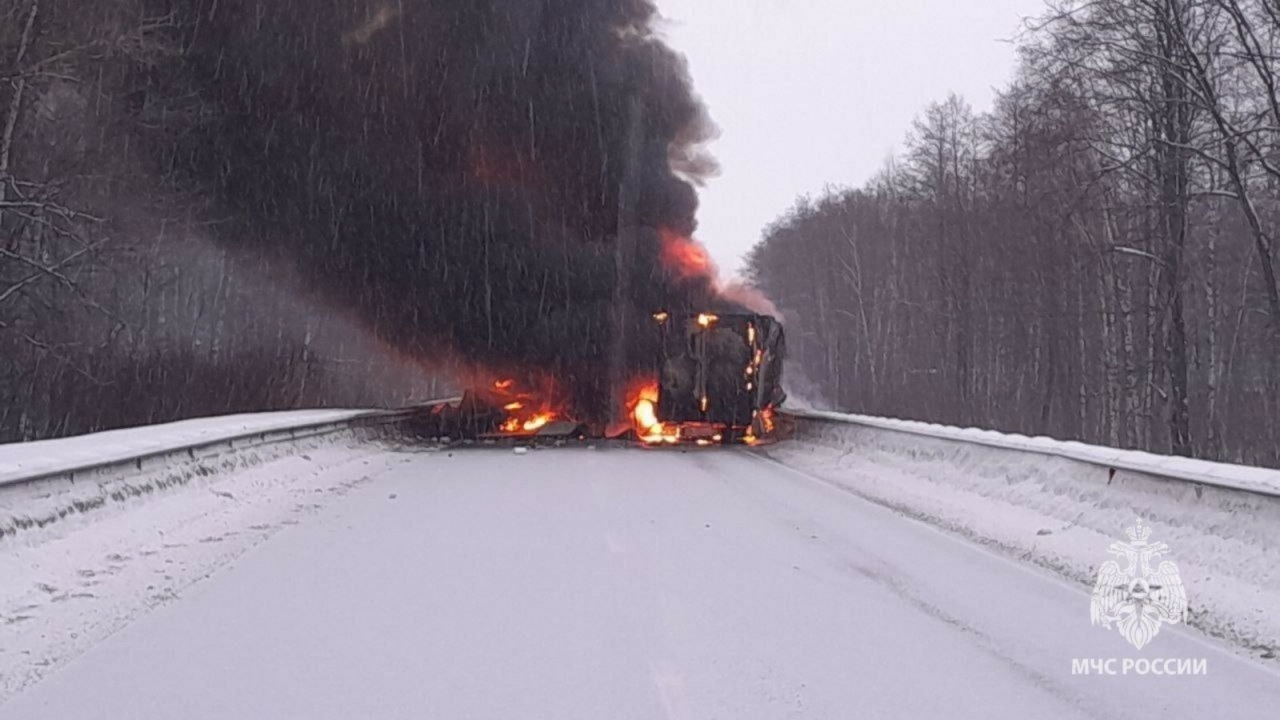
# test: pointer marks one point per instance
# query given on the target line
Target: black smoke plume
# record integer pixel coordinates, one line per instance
(451, 170)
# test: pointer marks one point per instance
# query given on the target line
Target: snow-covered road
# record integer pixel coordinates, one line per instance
(622, 583)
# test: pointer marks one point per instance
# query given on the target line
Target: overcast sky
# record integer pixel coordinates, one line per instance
(809, 93)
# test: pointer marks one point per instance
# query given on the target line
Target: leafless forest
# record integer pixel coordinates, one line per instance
(1093, 259)
(121, 300)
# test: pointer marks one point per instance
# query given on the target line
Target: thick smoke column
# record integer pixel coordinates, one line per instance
(452, 169)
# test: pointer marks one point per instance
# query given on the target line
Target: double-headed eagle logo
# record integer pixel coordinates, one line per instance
(1137, 598)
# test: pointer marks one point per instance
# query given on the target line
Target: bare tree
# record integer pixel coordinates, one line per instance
(1088, 260)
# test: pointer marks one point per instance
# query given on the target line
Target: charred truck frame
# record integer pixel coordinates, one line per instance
(714, 378)
(719, 376)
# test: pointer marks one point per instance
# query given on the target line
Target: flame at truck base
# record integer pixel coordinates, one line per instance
(719, 377)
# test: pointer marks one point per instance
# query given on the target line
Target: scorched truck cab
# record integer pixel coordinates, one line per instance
(720, 375)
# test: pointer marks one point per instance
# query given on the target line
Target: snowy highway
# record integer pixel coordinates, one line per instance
(618, 583)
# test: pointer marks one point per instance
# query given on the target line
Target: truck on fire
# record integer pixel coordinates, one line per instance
(719, 376)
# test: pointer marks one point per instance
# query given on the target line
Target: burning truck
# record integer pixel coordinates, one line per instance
(718, 379)
(715, 378)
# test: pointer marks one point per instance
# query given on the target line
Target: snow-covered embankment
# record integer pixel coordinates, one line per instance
(58, 481)
(1060, 505)
(97, 530)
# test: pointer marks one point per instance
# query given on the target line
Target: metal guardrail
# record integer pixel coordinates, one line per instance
(240, 440)
(1256, 480)
(1261, 481)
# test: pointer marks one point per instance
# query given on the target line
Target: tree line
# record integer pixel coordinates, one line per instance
(1091, 259)
(119, 305)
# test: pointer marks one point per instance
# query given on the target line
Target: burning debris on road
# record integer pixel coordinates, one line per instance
(716, 378)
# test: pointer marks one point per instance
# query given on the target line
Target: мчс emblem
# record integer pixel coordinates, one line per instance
(1137, 598)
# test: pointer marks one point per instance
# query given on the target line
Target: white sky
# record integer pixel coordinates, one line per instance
(810, 93)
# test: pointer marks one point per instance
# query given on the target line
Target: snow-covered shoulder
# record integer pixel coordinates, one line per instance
(23, 460)
(1238, 477)
(1058, 505)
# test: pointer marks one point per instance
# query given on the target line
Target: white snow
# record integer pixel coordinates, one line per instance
(585, 584)
(1062, 513)
(1241, 477)
(22, 460)
(69, 585)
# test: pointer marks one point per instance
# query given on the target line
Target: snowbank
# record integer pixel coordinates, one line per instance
(68, 585)
(157, 526)
(1239, 477)
(1058, 505)
(23, 460)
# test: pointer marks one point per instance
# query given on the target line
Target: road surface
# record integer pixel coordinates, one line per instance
(625, 583)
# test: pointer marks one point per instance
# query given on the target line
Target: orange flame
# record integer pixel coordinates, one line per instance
(646, 415)
(537, 421)
(767, 420)
(686, 256)
(642, 399)
(527, 411)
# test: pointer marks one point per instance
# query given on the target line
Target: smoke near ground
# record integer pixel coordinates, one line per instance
(451, 177)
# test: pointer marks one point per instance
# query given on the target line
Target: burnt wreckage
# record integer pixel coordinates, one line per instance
(719, 375)
(714, 378)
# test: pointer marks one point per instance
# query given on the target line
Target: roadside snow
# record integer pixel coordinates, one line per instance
(1240, 477)
(1063, 513)
(70, 584)
(19, 460)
